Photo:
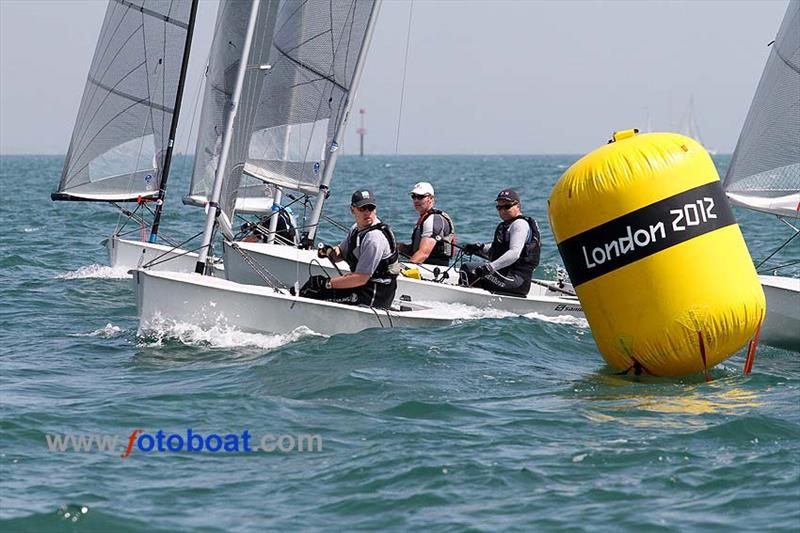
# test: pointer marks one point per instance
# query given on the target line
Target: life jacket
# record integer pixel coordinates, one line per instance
(529, 258)
(387, 269)
(443, 250)
(285, 228)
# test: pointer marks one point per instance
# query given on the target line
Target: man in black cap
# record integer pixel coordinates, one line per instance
(370, 251)
(513, 254)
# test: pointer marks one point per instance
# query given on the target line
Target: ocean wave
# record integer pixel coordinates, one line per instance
(221, 335)
(95, 271)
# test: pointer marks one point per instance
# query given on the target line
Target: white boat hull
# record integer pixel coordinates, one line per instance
(208, 302)
(289, 264)
(781, 327)
(128, 254)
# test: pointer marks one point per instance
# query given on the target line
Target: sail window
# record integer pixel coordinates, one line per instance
(129, 158)
(297, 143)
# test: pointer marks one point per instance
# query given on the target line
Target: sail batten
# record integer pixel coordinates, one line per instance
(764, 173)
(122, 130)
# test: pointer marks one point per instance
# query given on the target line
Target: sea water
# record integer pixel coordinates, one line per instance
(500, 423)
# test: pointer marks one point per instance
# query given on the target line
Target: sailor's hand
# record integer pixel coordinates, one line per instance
(483, 270)
(474, 248)
(326, 251)
(314, 285)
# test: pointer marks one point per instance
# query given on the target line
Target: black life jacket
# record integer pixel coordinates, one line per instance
(443, 250)
(284, 229)
(529, 258)
(386, 267)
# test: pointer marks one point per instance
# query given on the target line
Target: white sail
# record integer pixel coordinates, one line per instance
(121, 135)
(292, 102)
(229, 35)
(764, 173)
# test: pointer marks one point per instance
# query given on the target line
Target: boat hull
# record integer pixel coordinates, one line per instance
(289, 264)
(781, 327)
(125, 253)
(207, 302)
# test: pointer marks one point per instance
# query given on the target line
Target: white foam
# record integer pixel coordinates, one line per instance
(464, 311)
(33, 229)
(95, 271)
(108, 332)
(560, 319)
(220, 335)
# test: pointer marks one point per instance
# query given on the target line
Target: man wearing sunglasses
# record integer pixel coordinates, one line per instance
(513, 254)
(370, 251)
(434, 234)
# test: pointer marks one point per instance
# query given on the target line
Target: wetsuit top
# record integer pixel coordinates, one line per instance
(516, 246)
(435, 224)
(372, 251)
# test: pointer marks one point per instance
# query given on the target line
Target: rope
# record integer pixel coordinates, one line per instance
(266, 276)
(403, 84)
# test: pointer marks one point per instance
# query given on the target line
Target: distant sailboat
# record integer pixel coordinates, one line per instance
(764, 174)
(688, 127)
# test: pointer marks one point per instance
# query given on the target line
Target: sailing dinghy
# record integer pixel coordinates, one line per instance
(280, 35)
(764, 174)
(122, 143)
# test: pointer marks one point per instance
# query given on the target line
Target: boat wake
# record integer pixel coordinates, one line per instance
(95, 271)
(110, 331)
(160, 331)
(464, 311)
(561, 319)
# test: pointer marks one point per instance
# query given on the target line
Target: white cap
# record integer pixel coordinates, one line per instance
(423, 187)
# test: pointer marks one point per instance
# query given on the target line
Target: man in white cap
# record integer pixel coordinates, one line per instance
(371, 253)
(513, 254)
(434, 233)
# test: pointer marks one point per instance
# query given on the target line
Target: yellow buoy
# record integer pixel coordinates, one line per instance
(657, 259)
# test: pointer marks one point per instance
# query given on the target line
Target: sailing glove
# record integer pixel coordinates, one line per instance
(325, 251)
(473, 249)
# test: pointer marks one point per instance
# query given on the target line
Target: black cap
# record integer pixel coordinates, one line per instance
(509, 195)
(363, 197)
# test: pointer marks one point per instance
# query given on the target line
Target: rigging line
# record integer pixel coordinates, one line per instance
(403, 83)
(781, 247)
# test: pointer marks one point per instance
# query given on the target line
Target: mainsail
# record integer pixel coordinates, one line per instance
(293, 101)
(764, 173)
(226, 51)
(121, 136)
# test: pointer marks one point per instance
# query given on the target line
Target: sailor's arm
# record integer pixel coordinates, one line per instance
(351, 280)
(518, 236)
(426, 245)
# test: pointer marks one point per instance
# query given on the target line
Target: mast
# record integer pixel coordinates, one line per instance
(213, 200)
(327, 174)
(174, 126)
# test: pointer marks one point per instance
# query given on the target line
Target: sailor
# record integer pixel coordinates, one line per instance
(285, 231)
(513, 254)
(370, 251)
(434, 234)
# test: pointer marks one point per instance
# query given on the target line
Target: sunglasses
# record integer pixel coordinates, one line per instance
(505, 207)
(365, 208)
(418, 196)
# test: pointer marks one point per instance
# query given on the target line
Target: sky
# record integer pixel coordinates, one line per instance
(481, 77)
